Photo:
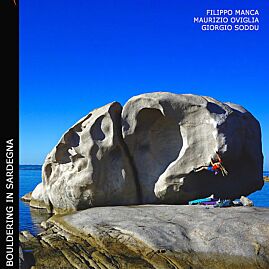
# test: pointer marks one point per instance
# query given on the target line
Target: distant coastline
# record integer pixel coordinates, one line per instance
(30, 166)
(24, 166)
(39, 167)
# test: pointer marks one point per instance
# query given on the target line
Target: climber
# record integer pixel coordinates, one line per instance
(215, 167)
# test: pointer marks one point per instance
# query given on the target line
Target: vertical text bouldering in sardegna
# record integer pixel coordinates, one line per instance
(9, 203)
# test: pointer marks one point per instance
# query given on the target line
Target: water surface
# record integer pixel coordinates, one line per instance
(30, 218)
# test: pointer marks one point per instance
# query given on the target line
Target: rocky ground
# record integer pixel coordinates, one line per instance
(153, 236)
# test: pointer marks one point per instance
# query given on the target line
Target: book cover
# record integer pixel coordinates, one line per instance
(135, 134)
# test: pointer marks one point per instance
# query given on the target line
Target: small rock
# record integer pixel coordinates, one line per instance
(27, 240)
(27, 235)
(27, 197)
(45, 225)
(246, 201)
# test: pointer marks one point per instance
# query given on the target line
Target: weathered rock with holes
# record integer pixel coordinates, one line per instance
(146, 153)
(90, 165)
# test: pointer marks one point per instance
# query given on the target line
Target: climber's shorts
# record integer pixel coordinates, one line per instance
(210, 168)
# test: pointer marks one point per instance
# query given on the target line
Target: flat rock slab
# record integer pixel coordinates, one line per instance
(172, 236)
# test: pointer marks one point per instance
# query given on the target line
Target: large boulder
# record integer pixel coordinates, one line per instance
(146, 152)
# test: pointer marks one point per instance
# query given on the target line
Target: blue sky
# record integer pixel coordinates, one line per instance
(79, 55)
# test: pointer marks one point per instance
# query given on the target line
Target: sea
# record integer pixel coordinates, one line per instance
(30, 218)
